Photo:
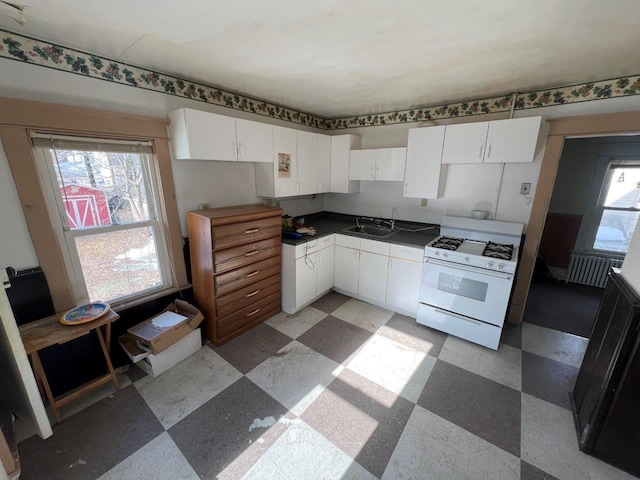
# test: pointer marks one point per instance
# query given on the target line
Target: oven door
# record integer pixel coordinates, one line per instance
(472, 292)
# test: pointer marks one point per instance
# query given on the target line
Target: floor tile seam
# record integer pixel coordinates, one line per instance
(450, 423)
(523, 393)
(481, 376)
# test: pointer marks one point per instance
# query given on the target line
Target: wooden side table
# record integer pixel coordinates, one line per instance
(49, 331)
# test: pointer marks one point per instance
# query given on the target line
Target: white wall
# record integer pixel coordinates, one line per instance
(16, 247)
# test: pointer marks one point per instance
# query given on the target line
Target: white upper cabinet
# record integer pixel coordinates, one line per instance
(307, 156)
(380, 164)
(280, 178)
(425, 175)
(254, 141)
(362, 164)
(390, 164)
(465, 143)
(197, 135)
(513, 140)
(341, 146)
(323, 163)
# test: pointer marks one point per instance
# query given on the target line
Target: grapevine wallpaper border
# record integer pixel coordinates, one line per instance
(24, 49)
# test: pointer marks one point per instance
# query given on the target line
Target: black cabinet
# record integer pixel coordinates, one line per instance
(606, 397)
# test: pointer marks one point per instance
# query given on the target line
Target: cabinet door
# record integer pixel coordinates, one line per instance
(372, 281)
(464, 143)
(341, 146)
(323, 163)
(306, 268)
(285, 157)
(307, 151)
(403, 284)
(425, 175)
(346, 269)
(513, 140)
(390, 164)
(325, 268)
(362, 164)
(205, 136)
(255, 141)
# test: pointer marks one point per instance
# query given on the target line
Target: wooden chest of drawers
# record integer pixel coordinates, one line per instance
(235, 267)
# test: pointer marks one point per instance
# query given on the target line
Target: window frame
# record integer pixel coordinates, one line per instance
(630, 162)
(66, 235)
(18, 118)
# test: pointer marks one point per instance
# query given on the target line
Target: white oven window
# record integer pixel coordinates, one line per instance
(465, 287)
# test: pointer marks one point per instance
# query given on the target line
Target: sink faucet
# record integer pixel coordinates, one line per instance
(377, 221)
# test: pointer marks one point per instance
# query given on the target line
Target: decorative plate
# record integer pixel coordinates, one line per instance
(84, 313)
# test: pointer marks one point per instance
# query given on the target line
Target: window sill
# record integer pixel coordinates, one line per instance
(125, 305)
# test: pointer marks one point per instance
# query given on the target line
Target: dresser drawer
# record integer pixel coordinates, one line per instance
(226, 236)
(230, 258)
(234, 301)
(248, 315)
(248, 275)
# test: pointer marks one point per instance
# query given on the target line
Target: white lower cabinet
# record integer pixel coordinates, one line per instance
(372, 272)
(384, 274)
(308, 276)
(347, 261)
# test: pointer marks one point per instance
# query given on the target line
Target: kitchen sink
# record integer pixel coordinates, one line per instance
(371, 231)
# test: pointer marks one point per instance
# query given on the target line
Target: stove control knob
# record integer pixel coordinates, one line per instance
(466, 260)
(489, 265)
(444, 256)
(500, 268)
(437, 254)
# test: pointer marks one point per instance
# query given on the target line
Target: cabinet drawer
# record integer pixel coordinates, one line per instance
(235, 300)
(407, 253)
(243, 276)
(226, 236)
(374, 246)
(247, 315)
(230, 258)
(347, 241)
(314, 245)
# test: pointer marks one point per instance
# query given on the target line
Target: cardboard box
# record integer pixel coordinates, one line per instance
(158, 333)
(154, 365)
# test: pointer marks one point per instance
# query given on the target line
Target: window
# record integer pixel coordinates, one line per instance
(619, 208)
(104, 203)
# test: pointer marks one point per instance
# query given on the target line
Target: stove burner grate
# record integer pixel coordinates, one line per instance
(447, 243)
(497, 250)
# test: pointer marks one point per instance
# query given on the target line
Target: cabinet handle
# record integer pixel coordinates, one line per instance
(251, 230)
(252, 274)
(252, 294)
(489, 151)
(252, 313)
(235, 149)
(252, 253)
(390, 264)
(480, 155)
(376, 171)
(372, 175)
(405, 187)
(241, 149)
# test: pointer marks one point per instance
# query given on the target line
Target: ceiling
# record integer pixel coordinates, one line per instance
(354, 57)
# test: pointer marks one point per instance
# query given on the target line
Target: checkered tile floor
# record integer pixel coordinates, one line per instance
(343, 389)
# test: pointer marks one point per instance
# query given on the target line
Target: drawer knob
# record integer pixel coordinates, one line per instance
(252, 274)
(252, 253)
(250, 314)
(251, 230)
(252, 294)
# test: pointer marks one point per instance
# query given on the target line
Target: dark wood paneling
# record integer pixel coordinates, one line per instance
(559, 238)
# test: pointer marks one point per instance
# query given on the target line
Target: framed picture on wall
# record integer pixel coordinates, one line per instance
(284, 165)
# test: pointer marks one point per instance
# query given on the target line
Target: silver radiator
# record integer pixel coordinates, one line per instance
(591, 269)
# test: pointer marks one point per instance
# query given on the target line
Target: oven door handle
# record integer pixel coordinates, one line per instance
(477, 270)
(461, 317)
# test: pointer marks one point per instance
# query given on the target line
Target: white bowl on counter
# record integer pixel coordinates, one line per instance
(479, 214)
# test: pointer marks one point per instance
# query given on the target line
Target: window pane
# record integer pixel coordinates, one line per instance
(624, 189)
(615, 230)
(101, 188)
(119, 264)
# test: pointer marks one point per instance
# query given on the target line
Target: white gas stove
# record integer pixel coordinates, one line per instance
(467, 277)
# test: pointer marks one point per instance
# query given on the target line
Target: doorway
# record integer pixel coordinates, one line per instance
(591, 216)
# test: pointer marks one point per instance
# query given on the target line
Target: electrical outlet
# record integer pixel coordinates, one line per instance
(525, 189)
(423, 202)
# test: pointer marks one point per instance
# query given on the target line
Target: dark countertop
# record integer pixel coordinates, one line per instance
(327, 223)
